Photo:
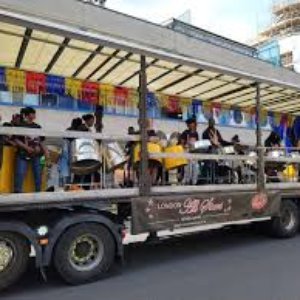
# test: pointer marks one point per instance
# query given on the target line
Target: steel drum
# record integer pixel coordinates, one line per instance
(86, 156)
(295, 155)
(152, 149)
(174, 163)
(228, 150)
(251, 162)
(275, 153)
(115, 156)
(201, 146)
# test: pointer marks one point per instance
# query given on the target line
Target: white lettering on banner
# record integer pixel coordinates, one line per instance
(99, 3)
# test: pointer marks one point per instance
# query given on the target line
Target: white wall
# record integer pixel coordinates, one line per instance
(60, 120)
(291, 43)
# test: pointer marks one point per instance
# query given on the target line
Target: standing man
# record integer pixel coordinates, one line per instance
(30, 150)
(213, 134)
(188, 139)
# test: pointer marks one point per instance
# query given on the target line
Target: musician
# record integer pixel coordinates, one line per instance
(213, 134)
(30, 150)
(188, 139)
(65, 157)
(89, 123)
(190, 135)
(273, 140)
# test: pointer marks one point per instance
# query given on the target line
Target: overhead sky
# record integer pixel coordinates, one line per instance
(235, 19)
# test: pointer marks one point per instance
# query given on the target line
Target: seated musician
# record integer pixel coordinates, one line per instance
(272, 169)
(30, 150)
(188, 139)
(273, 140)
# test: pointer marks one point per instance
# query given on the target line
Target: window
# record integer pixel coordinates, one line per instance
(287, 60)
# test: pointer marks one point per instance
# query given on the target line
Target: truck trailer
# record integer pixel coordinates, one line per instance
(80, 232)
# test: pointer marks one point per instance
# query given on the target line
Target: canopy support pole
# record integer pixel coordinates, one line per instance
(259, 143)
(144, 180)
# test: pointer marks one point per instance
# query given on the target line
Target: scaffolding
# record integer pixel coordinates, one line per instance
(285, 19)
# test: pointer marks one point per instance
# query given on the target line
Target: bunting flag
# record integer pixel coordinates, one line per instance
(277, 119)
(35, 83)
(90, 92)
(132, 102)
(121, 99)
(207, 110)
(74, 88)
(30, 88)
(2, 76)
(55, 85)
(162, 100)
(173, 105)
(107, 97)
(16, 80)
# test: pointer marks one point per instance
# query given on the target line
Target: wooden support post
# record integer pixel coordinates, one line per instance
(259, 144)
(144, 180)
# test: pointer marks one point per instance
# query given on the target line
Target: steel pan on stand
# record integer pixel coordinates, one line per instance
(201, 146)
(114, 155)
(86, 156)
(114, 159)
(274, 168)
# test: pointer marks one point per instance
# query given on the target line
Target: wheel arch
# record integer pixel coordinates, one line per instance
(28, 233)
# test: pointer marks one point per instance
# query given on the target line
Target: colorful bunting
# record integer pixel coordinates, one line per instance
(121, 100)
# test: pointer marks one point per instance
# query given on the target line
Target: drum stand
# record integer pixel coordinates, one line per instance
(173, 177)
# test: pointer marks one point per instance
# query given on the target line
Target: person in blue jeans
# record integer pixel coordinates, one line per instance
(29, 153)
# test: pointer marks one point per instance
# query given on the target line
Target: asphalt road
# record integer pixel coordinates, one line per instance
(233, 265)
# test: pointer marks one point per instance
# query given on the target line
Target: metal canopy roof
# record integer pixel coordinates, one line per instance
(34, 44)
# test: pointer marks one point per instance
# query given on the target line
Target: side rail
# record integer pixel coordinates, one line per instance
(281, 165)
(65, 161)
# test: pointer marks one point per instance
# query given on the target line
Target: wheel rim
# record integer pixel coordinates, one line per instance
(6, 254)
(288, 219)
(86, 252)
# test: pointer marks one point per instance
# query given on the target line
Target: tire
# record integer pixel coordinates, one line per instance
(14, 257)
(84, 253)
(286, 225)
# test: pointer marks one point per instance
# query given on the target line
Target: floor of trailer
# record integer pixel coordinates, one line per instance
(113, 196)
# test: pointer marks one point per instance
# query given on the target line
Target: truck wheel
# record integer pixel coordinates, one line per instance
(287, 223)
(14, 257)
(84, 253)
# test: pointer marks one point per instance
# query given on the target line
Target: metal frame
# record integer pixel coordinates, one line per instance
(123, 44)
(144, 181)
(22, 51)
(107, 60)
(57, 55)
